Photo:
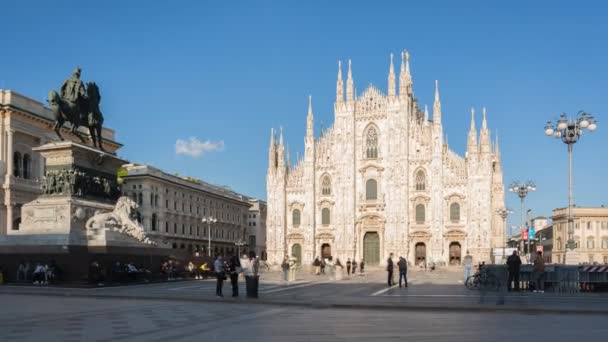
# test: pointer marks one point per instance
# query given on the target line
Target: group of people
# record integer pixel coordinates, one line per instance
(233, 266)
(335, 268)
(390, 269)
(538, 274)
(41, 273)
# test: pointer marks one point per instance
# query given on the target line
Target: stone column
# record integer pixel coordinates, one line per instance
(9, 154)
(9, 174)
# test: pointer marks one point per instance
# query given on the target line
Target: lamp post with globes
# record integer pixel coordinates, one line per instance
(504, 213)
(569, 130)
(209, 220)
(522, 189)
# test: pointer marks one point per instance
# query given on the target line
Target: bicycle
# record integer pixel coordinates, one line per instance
(482, 280)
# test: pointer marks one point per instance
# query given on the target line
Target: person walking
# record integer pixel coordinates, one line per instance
(317, 265)
(513, 264)
(362, 264)
(252, 275)
(322, 265)
(348, 264)
(389, 269)
(468, 266)
(234, 267)
(539, 272)
(402, 271)
(354, 264)
(218, 268)
(285, 269)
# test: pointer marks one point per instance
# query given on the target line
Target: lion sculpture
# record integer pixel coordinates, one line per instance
(121, 220)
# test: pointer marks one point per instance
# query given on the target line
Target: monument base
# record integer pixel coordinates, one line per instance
(572, 257)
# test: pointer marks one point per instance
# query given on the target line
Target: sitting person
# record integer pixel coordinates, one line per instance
(40, 274)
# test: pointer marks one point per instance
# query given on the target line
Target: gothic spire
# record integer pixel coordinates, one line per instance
(349, 84)
(272, 151)
(437, 106)
(496, 148)
(310, 119)
(426, 114)
(484, 134)
(391, 79)
(281, 137)
(472, 141)
(405, 78)
(339, 85)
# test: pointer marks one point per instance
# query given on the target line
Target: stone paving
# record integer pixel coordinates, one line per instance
(42, 318)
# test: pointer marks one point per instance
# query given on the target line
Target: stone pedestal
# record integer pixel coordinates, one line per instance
(572, 257)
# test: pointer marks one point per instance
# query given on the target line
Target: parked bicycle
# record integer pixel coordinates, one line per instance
(482, 280)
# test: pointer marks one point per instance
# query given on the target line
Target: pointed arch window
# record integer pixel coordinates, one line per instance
(326, 186)
(325, 219)
(371, 143)
(295, 217)
(371, 189)
(420, 214)
(455, 212)
(420, 181)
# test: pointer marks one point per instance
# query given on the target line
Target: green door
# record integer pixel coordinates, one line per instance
(296, 252)
(371, 248)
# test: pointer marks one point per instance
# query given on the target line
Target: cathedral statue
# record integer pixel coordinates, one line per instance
(78, 105)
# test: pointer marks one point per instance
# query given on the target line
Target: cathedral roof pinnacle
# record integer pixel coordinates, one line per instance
(426, 114)
(281, 137)
(484, 124)
(436, 91)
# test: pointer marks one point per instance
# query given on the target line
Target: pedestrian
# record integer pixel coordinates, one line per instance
(252, 275)
(513, 264)
(362, 264)
(322, 265)
(468, 266)
(539, 272)
(218, 267)
(348, 265)
(339, 269)
(402, 271)
(389, 269)
(285, 269)
(21, 272)
(354, 265)
(317, 265)
(234, 267)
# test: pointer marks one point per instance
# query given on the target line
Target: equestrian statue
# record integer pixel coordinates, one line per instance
(78, 106)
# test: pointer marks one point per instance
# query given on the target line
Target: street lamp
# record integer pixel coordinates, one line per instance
(522, 189)
(569, 130)
(504, 213)
(209, 220)
(238, 245)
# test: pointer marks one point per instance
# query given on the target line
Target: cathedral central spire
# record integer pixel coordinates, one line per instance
(437, 106)
(472, 141)
(350, 86)
(339, 85)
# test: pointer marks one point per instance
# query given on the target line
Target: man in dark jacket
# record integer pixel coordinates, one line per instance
(513, 263)
(389, 268)
(402, 270)
(348, 264)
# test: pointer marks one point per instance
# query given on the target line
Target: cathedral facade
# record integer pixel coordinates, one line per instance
(383, 180)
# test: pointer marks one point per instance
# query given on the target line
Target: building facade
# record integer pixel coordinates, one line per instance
(24, 124)
(256, 226)
(171, 209)
(383, 180)
(590, 234)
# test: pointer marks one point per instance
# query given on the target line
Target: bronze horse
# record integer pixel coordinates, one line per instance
(84, 112)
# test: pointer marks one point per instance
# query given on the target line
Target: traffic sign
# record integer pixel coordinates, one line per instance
(531, 233)
(524, 234)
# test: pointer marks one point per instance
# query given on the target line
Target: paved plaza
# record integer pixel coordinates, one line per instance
(50, 318)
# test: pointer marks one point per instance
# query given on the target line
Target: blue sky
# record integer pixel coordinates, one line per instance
(224, 72)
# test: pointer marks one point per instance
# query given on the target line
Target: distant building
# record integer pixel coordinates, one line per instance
(171, 209)
(590, 234)
(257, 227)
(26, 123)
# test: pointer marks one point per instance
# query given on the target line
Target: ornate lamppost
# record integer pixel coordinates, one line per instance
(209, 220)
(504, 213)
(522, 189)
(569, 130)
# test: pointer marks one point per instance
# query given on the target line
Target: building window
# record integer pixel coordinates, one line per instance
(455, 212)
(198, 231)
(254, 224)
(604, 243)
(191, 230)
(153, 222)
(420, 181)
(183, 229)
(371, 143)
(140, 199)
(27, 161)
(325, 216)
(420, 213)
(589, 225)
(166, 227)
(371, 189)
(605, 259)
(590, 243)
(156, 200)
(17, 164)
(326, 186)
(175, 228)
(167, 204)
(251, 241)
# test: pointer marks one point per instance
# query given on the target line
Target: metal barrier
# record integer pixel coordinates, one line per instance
(558, 278)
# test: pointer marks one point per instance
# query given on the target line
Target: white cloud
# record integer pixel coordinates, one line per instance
(196, 148)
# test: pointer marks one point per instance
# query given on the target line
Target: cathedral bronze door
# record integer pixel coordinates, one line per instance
(371, 248)
(455, 253)
(325, 251)
(420, 253)
(296, 252)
